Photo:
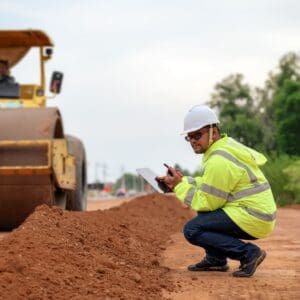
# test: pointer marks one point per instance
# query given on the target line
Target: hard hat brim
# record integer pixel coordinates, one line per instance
(195, 129)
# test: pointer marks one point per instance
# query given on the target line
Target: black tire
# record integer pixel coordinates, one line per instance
(60, 198)
(77, 199)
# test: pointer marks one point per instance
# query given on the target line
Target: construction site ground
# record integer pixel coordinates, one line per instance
(134, 249)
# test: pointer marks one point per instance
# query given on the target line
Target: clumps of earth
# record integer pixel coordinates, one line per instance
(111, 254)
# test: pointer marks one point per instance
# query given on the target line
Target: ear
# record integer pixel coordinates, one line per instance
(216, 133)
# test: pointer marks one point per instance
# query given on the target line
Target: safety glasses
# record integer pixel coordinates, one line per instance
(195, 136)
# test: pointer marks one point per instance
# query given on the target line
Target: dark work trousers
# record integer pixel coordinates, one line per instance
(220, 237)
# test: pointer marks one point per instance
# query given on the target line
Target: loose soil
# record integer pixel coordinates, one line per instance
(278, 277)
(135, 251)
(110, 254)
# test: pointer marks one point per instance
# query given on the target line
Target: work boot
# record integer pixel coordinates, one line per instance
(248, 269)
(204, 265)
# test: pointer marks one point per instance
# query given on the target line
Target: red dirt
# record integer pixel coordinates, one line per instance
(135, 251)
(278, 277)
(112, 254)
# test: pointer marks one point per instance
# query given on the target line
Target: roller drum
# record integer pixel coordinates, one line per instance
(20, 194)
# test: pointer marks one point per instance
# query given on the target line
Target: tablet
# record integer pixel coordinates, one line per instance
(149, 176)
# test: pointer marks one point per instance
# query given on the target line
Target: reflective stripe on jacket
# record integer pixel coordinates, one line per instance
(233, 181)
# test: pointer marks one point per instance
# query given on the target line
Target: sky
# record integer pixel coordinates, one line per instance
(132, 69)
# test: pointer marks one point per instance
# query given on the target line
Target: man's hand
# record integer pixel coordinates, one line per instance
(172, 178)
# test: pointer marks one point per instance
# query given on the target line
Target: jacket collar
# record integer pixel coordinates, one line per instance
(216, 145)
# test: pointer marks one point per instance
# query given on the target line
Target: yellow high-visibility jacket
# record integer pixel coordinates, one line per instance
(233, 181)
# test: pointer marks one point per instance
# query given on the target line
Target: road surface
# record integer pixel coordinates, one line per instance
(278, 277)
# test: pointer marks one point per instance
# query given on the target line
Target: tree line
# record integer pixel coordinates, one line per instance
(266, 118)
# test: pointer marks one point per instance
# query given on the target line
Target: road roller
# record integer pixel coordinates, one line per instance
(39, 163)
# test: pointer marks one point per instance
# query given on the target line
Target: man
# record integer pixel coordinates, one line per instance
(5, 77)
(232, 197)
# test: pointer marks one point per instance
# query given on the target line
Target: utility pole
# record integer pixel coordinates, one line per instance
(97, 165)
(104, 171)
(142, 184)
(134, 185)
(123, 184)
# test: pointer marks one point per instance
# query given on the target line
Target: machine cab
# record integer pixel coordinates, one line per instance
(14, 46)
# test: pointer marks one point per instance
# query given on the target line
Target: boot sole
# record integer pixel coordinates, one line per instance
(214, 269)
(259, 260)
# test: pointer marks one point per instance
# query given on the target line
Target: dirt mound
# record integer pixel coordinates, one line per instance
(112, 254)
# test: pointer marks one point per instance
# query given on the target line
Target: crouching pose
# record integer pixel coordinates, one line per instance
(232, 197)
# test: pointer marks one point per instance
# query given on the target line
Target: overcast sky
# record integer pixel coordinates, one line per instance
(133, 68)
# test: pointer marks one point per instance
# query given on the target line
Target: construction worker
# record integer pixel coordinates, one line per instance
(232, 197)
(5, 77)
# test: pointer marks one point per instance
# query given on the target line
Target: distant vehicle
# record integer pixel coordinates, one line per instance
(132, 193)
(121, 192)
(96, 186)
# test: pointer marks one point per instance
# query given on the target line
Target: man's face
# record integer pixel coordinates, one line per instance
(3, 69)
(199, 140)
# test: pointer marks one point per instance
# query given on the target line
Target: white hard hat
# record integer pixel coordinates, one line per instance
(198, 117)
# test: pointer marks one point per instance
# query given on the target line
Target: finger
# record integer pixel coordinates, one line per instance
(179, 173)
(171, 171)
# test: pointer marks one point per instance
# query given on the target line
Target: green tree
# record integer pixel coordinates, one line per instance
(287, 117)
(279, 170)
(293, 185)
(288, 69)
(237, 110)
(271, 98)
(185, 172)
(129, 182)
(265, 116)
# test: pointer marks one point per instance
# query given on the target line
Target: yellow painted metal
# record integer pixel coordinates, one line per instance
(35, 166)
(31, 95)
(14, 44)
(43, 60)
(49, 157)
(63, 165)
(37, 162)
(27, 170)
(17, 43)
(24, 38)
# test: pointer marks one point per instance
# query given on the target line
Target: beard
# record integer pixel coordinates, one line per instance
(197, 149)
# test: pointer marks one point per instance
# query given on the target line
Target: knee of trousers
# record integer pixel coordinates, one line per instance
(191, 233)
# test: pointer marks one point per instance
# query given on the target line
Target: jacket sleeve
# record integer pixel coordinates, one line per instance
(210, 191)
